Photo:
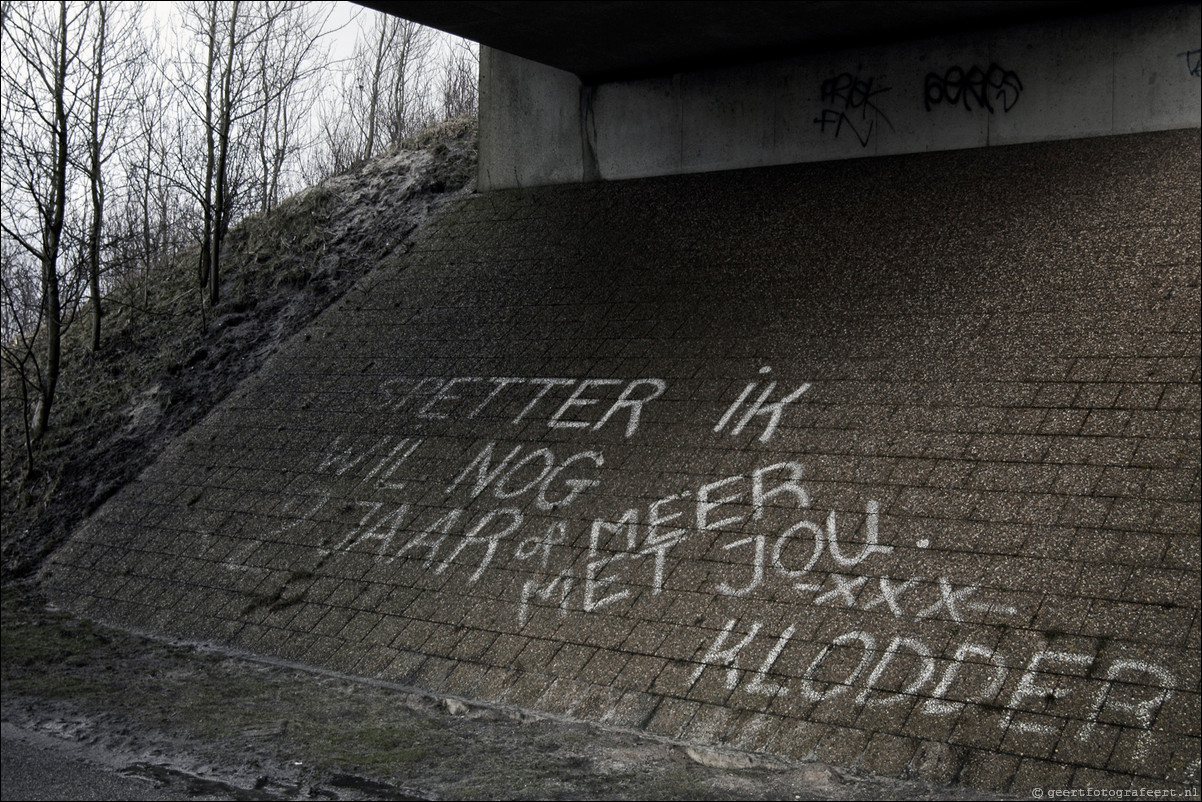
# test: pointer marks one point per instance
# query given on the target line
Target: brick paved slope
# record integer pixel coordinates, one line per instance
(892, 462)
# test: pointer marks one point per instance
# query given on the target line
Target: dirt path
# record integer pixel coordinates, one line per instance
(204, 723)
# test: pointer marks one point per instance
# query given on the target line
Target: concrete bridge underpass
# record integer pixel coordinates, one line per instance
(820, 379)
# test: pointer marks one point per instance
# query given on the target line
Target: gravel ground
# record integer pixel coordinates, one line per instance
(191, 721)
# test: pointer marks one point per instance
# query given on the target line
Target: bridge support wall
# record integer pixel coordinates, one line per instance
(1117, 73)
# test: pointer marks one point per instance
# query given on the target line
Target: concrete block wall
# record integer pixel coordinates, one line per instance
(1121, 72)
(888, 462)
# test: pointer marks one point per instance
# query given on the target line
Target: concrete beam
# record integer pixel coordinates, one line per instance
(609, 40)
(1123, 72)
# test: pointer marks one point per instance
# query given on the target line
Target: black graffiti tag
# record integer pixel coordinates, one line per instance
(1193, 62)
(843, 96)
(974, 86)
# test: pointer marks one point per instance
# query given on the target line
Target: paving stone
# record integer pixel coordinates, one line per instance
(890, 462)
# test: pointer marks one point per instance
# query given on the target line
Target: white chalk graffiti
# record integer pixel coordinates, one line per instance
(759, 534)
(445, 399)
(535, 469)
(974, 681)
(761, 406)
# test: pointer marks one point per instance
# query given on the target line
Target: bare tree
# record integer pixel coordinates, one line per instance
(402, 78)
(153, 219)
(387, 97)
(219, 136)
(145, 219)
(291, 56)
(118, 54)
(460, 80)
(243, 81)
(205, 81)
(21, 317)
(44, 43)
(408, 108)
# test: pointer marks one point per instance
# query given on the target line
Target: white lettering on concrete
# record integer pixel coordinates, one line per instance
(1143, 711)
(1029, 687)
(761, 406)
(763, 520)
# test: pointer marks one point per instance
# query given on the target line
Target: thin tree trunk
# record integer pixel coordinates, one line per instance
(220, 213)
(373, 108)
(53, 233)
(96, 181)
(210, 155)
